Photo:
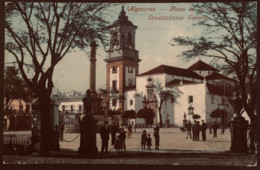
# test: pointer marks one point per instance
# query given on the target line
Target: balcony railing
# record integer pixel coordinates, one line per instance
(122, 52)
(71, 111)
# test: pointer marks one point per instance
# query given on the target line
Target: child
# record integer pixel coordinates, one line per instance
(118, 144)
(149, 142)
(143, 139)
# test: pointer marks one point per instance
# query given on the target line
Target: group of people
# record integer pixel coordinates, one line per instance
(193, 131)
(118, 141)
(147, 140)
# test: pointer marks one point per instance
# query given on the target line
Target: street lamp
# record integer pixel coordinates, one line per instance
(190, 111)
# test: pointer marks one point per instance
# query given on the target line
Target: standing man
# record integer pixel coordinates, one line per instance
(113, 133)
(215, 128)
(157, 137)
(203, 130)
(194, 130)
(210, 128)
(198, 131)
(104, 133)
(61, 130)
(188, 127)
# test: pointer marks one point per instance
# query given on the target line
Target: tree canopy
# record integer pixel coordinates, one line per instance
(40, 34)
(146, 113)
(129, 114)
(165, 94)
(230, 30)
(196, 116)
(47, 32)
(218, 113)
(15, 88)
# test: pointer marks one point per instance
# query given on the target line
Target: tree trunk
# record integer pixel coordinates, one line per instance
(45, 138)
(160, 117)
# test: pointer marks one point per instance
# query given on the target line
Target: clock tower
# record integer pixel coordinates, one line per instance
(122, 60)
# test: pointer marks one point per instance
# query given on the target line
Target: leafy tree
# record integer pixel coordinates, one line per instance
(219, 113)
(230, 37)
(165, 94)
(129, 114)
(46, 33)
(16, 88)
(196, 116)
(147, 114)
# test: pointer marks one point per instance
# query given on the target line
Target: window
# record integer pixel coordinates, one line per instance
(114, 84)
(129, 39)
(130, 69)
(71, 108)
(114, 102)
(114, 69)
(190, 99)
(130, 82)
(131, 102)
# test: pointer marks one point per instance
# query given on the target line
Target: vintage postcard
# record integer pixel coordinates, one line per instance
(130, 83)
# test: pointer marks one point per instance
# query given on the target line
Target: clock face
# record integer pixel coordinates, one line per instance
(150, 79)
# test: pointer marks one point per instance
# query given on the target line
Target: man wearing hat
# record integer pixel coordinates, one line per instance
(104, 133)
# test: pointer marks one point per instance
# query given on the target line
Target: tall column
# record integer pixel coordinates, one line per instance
(92, 79)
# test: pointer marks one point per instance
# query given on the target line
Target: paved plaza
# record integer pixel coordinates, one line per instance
(171, 139)
(175, 149)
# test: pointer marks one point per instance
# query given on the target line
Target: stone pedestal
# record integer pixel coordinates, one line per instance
(239, 128)
(88, 136)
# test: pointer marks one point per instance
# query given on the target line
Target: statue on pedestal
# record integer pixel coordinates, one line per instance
(239, 128)
(88, 129)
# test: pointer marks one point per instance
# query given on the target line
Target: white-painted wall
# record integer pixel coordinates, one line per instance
(181, 105)
(129, 95)
(141, 82)
(114, 76)
(172, 77)
(68, 104)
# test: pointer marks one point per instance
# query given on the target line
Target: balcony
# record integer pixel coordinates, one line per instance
(115, 54)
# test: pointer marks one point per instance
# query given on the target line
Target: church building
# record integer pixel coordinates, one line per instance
(200, 86)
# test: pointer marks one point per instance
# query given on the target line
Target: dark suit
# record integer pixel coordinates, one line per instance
(113, 134)
(104, 133)
(215, 128)
(203, 129)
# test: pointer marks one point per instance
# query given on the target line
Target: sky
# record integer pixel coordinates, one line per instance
(152, 42)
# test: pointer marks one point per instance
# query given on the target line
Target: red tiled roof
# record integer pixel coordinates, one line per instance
(200, 65)
(219, 90)
(173, 71)
(177, 82)
(218, 76)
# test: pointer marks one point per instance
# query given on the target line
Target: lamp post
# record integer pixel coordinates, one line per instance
(190, 111)
(184, 120)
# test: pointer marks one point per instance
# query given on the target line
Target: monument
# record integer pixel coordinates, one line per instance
(88, 129)
(239, 128)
